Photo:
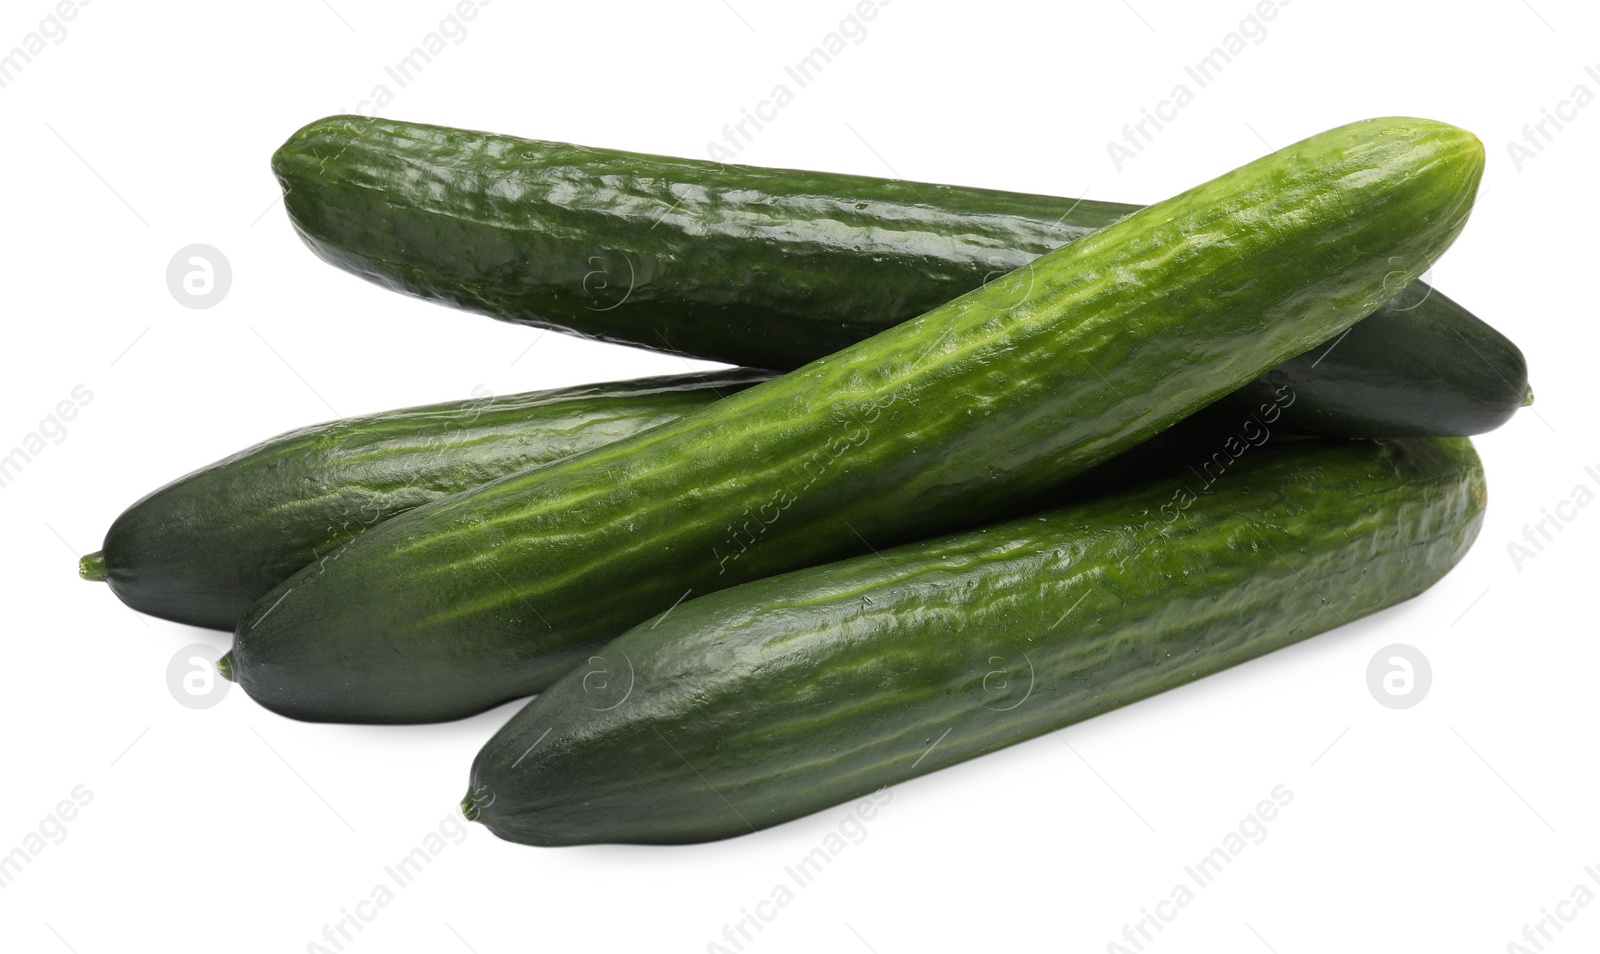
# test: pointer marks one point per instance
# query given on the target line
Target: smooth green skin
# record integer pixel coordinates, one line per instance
(205, 547)
(1419, 366)
(767, 701)
(773, 268)
(933, 424)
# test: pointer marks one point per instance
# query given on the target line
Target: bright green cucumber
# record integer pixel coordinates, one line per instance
(764, 702)
(203, 548)
(935, 423)
(773, 268)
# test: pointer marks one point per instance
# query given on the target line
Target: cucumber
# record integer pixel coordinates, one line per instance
(774, 268)
(767, 701)
(1417, 367)
(936, 423)
(205, 547)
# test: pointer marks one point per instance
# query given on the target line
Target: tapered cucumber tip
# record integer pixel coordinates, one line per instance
(93, 567)
(1527, 398)
(469, 808)
(225, 667)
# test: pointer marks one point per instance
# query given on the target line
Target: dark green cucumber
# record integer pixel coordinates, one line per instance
(203, 548)
(770, 700)
(1419, 366)
(935, 423)
(773, 268)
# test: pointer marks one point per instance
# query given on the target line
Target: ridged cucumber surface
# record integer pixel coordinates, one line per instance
(773, 268)
(203, 548)
(761, 703)
(935, 423)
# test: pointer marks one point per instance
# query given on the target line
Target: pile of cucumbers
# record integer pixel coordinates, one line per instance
(987, 463)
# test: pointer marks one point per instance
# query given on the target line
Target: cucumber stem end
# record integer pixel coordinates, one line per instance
(225, 667)
(469, 808)
(93, 567)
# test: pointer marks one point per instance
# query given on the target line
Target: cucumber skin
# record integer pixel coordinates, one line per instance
(937, 423)
(793, 693)
(773, 268)
(1419, 366)
(203, 548)
(782, 266)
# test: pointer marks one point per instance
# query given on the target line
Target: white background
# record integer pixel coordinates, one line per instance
(1448, 826)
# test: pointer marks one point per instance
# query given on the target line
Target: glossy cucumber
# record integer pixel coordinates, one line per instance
(773, 268)
(761, 703)
(935, 423)
(1419, 366)
(203, 548)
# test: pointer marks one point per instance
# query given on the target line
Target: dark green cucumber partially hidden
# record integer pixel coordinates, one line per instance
(1420, 366)
(203, 548)
(770, 700)
(940, 422)
(773, 268)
